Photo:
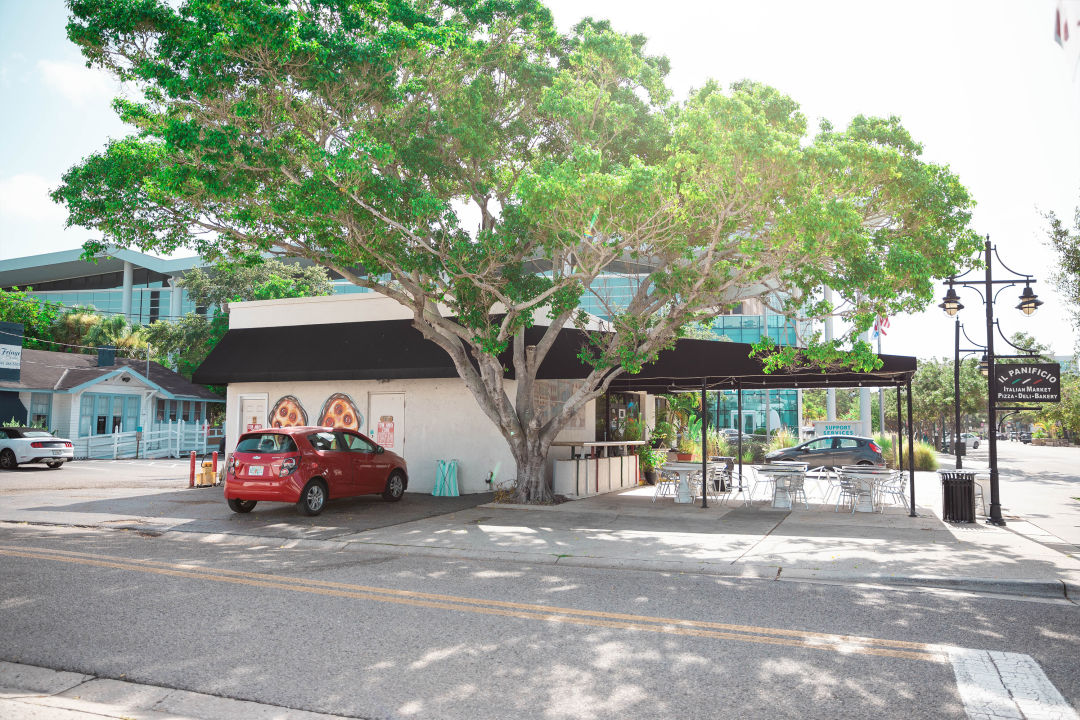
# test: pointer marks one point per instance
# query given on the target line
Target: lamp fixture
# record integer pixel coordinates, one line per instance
(951, 303)
(984, 366)
(1029, 302)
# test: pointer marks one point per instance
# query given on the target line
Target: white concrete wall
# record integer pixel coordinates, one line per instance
(442, 421)
(61, 416)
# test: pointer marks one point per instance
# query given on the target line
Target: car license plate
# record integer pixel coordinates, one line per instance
(57, 452)
(255, 470)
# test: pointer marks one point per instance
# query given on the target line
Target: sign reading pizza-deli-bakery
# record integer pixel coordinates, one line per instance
(1031, 382)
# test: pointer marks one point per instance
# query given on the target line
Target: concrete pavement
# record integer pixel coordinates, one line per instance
(625, 530)
(35, 693)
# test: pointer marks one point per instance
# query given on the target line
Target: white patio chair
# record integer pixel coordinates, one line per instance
(894, 488)
(795, 488)
(849, 493)
(667, 484)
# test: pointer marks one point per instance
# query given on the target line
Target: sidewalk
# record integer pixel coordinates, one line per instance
(625, 530)
(28, 692)
(628, 530)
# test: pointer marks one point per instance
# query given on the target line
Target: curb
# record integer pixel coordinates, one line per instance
(1052, 589)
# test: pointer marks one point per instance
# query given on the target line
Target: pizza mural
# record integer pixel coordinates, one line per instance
(340, 411)
(287, 412)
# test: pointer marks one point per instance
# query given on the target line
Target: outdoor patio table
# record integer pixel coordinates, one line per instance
(781, 472)
(866, 478)
(684, 470)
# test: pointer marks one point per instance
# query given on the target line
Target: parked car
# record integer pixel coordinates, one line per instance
(1002, 435)
(971, 440)
(832, 451)
(308, 466)
(1025, 437)
(20, 445)
(732, 436)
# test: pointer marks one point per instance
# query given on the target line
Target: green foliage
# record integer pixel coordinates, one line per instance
(1066, 276)
(663, 433)
(1065, 414)
(651, 459)
(183, 344)
(782, 438)
(926, 457)
(254, 279)
(350, 133)
(37, 316)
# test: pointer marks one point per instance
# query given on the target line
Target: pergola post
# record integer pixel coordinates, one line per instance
(899, 433)
(704, 445)
(911, 449)
(738, 395)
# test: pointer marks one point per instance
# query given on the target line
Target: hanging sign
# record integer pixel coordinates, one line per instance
(1028, 382)
(384, 431)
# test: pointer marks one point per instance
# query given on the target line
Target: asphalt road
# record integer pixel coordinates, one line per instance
(1039, 484)
(373, 635)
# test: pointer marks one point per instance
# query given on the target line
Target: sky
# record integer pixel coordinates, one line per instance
(981, 84)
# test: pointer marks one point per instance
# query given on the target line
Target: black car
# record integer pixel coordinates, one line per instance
(1025, 437)
(832, 451)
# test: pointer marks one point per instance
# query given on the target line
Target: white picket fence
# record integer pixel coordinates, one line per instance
(167, 440)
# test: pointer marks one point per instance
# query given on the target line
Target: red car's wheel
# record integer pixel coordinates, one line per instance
(395, 487)
(313, 498)
(241, 506)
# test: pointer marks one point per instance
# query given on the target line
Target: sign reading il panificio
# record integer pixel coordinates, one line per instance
(1029, 382)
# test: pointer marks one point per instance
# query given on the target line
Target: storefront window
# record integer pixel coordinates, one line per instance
(40, 409)
(101, 414)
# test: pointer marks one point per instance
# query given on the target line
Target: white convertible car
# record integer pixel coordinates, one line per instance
(33, 445)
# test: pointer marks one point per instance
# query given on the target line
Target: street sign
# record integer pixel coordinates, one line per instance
(1027, 382)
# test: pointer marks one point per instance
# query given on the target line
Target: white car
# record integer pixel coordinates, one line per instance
(33, 445)
(971, 440)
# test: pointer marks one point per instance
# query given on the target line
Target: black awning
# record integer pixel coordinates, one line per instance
(729, 365)
(388, 349)
(394, 349)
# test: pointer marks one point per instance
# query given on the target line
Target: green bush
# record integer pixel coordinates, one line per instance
(782, 438)
(925, 455)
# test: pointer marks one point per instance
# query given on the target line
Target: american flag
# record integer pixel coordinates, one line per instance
(881, 325)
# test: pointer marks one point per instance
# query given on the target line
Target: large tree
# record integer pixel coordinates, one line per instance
(1066, 241)
(482, 169)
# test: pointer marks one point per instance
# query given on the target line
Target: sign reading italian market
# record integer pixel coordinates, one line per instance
(1031, 382)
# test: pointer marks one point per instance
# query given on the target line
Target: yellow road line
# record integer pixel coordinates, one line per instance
(670, 626)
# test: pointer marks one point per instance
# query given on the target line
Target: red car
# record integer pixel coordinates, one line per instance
(308, 466)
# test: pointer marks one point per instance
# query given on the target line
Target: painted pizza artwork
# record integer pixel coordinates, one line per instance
(339, 411)
(287, 412)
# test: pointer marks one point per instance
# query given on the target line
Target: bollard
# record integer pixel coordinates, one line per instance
(215, 463)
(191, 482)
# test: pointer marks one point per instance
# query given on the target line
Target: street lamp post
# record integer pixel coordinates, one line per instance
(1029, 304)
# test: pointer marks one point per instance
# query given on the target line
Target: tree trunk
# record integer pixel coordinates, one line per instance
(532, 484)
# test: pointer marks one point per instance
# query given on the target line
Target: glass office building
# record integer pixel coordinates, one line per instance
(611, 292)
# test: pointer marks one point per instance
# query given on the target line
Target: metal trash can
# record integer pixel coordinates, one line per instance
(957, 495)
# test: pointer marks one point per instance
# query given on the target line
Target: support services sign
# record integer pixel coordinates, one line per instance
(1029, 382)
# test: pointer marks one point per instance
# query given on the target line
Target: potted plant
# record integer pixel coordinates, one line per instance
(685, 450)
(652, 459)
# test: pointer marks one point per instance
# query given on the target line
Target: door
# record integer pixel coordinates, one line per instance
(366, 476)
(335, 463)
(386, 420)
(816, 452)
(847, 451)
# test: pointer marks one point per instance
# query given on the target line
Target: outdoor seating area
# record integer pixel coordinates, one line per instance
(784, 485)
